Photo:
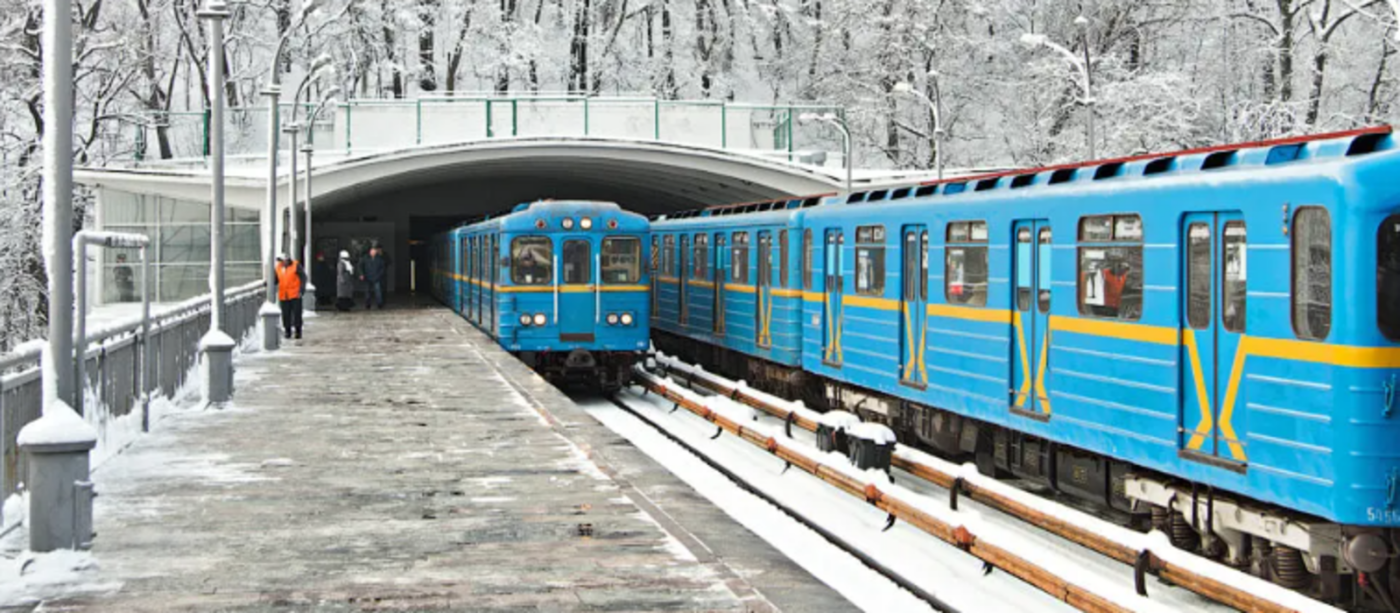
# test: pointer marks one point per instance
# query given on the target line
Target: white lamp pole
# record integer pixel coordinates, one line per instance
(308, 302)
(216, 346)
(840, 124)
(1083, 66)
(934, 106)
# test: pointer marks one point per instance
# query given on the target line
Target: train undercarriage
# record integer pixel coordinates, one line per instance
(1347, 566)
(605, 371)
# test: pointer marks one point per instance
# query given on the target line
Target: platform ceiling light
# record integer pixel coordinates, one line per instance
(586, 223)
(568, 223)
(540, 319)
(612, 319)
(525, 319)
(626, 319)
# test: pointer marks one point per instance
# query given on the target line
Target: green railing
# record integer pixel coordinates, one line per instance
(359, 126)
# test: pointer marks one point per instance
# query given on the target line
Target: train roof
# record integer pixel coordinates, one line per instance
(527, 217)
(1316, 149)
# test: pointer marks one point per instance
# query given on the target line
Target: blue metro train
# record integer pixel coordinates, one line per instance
(560, 284)
(1205, 341)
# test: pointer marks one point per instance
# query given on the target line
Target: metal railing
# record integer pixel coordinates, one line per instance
(113, 366)
(359, 126)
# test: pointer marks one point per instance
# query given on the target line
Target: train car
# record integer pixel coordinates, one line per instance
(722, 275)
(1207, 341)
(560, 284)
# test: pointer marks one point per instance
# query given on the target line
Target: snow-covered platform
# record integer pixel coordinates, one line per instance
(398, 460)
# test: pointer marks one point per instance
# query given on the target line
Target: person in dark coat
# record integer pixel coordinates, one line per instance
(323, 277)
(374, 270)
(344, 283)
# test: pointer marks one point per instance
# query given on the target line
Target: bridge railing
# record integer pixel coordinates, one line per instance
(358, 126)
(113, 368)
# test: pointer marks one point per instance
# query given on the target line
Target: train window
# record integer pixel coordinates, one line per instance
(1110, 269)
(923, 266)
(577, 261)
(621, 260)
(870, 260)
(1388, 277)
(1233, 277)
(1198, 270)
(668, 256)
(965, 263)
(532, 260)
(1024, 280)
(807, 248)
(739, 258)
(782, 258)
(700, 265)
(1043, 297)
(1312, 273)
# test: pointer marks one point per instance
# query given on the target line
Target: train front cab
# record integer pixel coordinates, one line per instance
(574, 302)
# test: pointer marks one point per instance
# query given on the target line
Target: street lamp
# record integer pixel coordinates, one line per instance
(1083, 66)
(309, 296)
(840, 124)
(269, 311)
(216, 346)
(934, 105)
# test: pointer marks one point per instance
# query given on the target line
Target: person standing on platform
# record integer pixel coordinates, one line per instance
(322, 276)
(344, 283)
(290, 280)
(373, 269)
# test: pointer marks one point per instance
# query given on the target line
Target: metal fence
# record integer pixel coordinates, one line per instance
(358, 126)
(113, 367)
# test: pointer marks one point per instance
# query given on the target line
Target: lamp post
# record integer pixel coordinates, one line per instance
(269, 311)
(840, 124)
(216, 347)
(934, 106)
(292, 130)
(309, 298)
(1083, 66)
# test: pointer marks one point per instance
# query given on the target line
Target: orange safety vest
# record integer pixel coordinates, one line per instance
(288, 281)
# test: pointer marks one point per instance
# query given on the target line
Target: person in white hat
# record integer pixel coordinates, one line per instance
(344, 282)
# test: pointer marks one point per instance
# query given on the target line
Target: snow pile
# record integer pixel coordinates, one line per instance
(30, 346)
(30, 579)
(60, 425)
(838, 420)
(877, 433)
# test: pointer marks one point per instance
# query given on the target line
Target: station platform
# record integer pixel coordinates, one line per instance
(400, 460)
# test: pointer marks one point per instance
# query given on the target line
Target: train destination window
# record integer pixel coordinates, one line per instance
(1312, 273)
(782, 258)
(1043, 299)
(1234, 274)
(965, 263)
(807, 248)
(701, 262)
(532, 260)
(1110, 266)
(739, 260)
(577, 261)
(1388, 277)
(870, 260)
(622, 260)
(1198, 271)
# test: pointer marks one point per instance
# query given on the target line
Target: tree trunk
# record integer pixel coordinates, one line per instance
(427, 16)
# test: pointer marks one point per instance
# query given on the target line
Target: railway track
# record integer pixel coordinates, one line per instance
(1127, 559)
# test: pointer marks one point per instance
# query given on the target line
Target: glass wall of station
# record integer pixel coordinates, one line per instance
(179, 233)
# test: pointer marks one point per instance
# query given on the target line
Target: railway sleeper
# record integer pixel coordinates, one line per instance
(1355, 568)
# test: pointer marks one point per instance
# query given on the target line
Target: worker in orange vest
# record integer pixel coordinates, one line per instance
(290, 280)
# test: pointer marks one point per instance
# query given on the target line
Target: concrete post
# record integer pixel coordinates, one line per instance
(60, 492)
(308, 298)
(216, 348)
(59, 385)
(268, 314)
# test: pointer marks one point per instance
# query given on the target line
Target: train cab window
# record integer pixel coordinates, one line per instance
(1312, 273)
(965, 263)
(870, 260)
(577, 262)
(532, 260)
(1388, 277)
(782, 258)
(807, 259)
(1234, 275)
(1043, 244)
(700, 264)
(1110, 266)
(739, 258)
(621, 260)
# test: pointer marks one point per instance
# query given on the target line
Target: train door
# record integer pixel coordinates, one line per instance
(656, 275)
(475, 287)
(831, 313)
(913, 306)
(763, 291)
(1030, 320)
(460, 282)
(1213, 305)
(493, 278)
(480, 284)
(683, 279)
(577, 310)
(721, 274)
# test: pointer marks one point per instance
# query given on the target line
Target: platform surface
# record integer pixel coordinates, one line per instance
(399, 460)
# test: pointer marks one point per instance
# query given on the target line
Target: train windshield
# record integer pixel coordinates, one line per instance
(622, 260)
(1388, 278)
(532, 261)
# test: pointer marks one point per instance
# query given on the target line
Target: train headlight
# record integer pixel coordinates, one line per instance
(612, 319)
(585, 223)
(626, 319)
(525, 320)
(568, 223)
(540, 319)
